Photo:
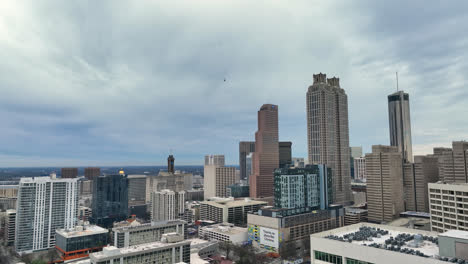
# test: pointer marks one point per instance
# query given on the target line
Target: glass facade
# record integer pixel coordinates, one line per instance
(326, 257)
(355, 261)
(400, 124)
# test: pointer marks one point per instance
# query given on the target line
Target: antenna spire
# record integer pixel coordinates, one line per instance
(397, 81)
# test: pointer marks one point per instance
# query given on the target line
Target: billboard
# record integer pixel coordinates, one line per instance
(269, 237)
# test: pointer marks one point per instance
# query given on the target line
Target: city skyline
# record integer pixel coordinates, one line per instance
(97, 90)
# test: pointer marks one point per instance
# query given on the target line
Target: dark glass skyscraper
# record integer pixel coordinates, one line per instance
(170, 164)
(110, 199)
(400, 124)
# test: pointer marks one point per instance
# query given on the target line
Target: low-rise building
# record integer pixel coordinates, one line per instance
(355, 215)
(372, 243)
(228, 210)
(224, 232)
(271, 227)
(146, 233)
(80, 241)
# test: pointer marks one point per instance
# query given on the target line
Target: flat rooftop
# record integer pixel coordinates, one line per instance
(455, 234)
(149, 225)
(225, 229)
(234, 203)
(397, 239)
(109, 252)
(87, 231)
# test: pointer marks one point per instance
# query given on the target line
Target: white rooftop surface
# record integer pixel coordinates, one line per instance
(195, 259)
(226, 230)
(456, 234)
(111, 250)
(87, 230)
(428, 248)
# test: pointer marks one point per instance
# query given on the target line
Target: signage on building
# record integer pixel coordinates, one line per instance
(269, 237)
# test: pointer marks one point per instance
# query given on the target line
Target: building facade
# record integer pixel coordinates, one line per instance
(285, 154)
(400, 124)
(110, 199)
(328, 132)
(266, 155)
(384, 171)
(453, 163)
(10, 226)
(44, 205)
(224, 233)
(245, 149)
(136, 189)
(67, 173)
(80, 241)
(229, 210)
(360, 169)
(91, 172)
(216, 160)
(307, 188)
(167, 205)
(217, 177)
(176, 182)
(237, 191)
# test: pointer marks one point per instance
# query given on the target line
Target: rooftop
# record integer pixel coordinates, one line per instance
(455, 234)
(79, 231)
(113, 251)
(226, 229)
(233, 203)
(148, 225)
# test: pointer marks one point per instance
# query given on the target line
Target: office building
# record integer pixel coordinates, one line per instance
(453, 162)
(328, 133)
(271, 228)
(400, 124)
(355, 152)
(354, 216)
(177, 182)
(69, 173)
(384, 171)
(80, 241)
(237, 191)
(194, 195)
(9, 191)
(307, 188)
(216, 160)
(298, 162)
(285, 154)
(44, 205)
(10, 226)
(136, 189)
(224, 233)
(389, 245)
(138, 234)
(110, 199)
(245, 149)
(416, 176)
(84, 213)
(85, 186)
(360, 169)
(91, 172)
(448, 208)
(170, 164)
(228, 210)
(167, 205)
(266, 155)
(217, 177)
(171, 250)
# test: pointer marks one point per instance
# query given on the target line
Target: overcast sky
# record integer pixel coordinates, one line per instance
(124, 82)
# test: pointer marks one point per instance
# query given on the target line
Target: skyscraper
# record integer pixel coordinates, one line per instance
(384, 169)
(285, 155)
(453, 163)
(92, 172)
(110, 199)
(328, 132)
(245, 149)
(167, 205)
(400, 124)
(266, 155)
(44, 205)
(68, 173)
(217, 177)
(170, 164)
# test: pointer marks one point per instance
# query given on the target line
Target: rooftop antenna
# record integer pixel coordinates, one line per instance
(397, 81)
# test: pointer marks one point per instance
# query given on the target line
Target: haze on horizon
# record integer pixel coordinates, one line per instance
(86, 83)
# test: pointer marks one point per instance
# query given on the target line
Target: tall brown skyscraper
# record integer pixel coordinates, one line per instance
(69, 172)
(328, 132)
(266, 155)
(92, 172)
(170, 164)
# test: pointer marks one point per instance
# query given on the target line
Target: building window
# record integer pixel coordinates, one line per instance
(330, 258)
(355, 261)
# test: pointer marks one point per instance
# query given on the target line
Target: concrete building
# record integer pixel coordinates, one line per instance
(360, 169)
(328, 133)
(194, 195)
(298, 162)
(10, 226)
(270, 228)
(67, 173)
(176, 182)
(7, 203)
(389, 245)
(171, 250)
(384, 171)
(167, 205)
(80, 241)
(86, 187)
(8, 191)
(136, 189)
(285, 154)
(448, 205)
(400, 124)
(354, 216)
(91, 172)
(44, 205)
(224, 232)
(355, 153)
(266, 155)
(84, 213)
(229, 210)
(110, 199)
(416, 176)
(307, 188)
(453, 163)
(138, 234)
(217, 177)
(245, 149)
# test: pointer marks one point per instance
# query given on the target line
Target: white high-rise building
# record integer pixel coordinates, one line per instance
(217, 177)
(217, 160)
(44, 205)
(167, 205)
(360, 168)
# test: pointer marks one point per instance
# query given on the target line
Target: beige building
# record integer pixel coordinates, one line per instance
(217, 177)
(223, 232)
(416, 176)
(453, 163)
(448, 206)
(9, 191)
(228, 210)
(384, 183)
(165, 180)
(328, 133)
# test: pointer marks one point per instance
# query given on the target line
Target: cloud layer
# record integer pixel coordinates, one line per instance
(120, 83)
